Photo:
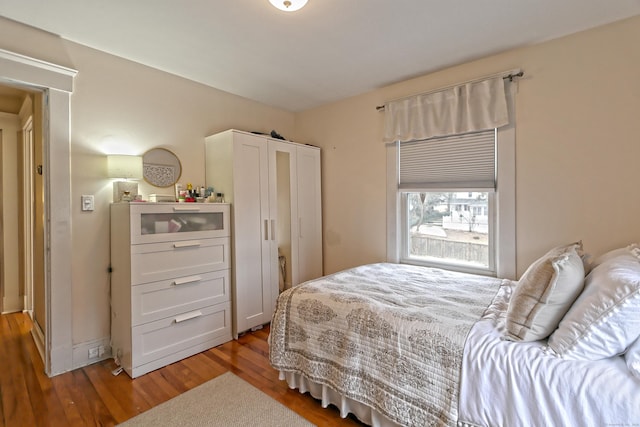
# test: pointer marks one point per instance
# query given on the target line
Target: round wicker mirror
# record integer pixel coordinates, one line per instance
(161, 167)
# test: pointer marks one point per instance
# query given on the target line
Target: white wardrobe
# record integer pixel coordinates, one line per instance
(274, 190)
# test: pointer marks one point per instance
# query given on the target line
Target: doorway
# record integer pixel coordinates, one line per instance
(55, 84)
(21, 208)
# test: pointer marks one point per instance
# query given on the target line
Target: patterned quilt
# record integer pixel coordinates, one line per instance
(390, 336)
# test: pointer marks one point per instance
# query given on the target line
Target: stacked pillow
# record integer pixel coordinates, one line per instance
(545, 293)
(632, 356)
(604, 321)
(590, 318)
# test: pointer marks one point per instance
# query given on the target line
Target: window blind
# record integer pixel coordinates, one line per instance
(457, 162)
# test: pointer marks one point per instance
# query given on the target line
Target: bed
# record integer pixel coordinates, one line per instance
(405, 345)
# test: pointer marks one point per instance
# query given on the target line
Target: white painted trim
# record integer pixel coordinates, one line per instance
(506, 194)
(57, 83)
(38, 339)
(34, 72)
(393, 205)
(505, 234)
(57, 174)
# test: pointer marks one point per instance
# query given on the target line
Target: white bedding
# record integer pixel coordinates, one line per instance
(514, 384)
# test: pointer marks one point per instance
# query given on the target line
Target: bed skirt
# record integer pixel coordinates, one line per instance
(329, 396)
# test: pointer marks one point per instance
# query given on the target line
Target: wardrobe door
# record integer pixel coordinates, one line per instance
(283, 207)
(253, 295)
(309, 259)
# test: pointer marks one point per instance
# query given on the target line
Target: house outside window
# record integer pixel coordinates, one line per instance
(450, 228)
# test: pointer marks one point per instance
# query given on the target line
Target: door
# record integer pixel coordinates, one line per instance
(309, 252)
(283, 211)
(252, 237)
(40, 301)
(52, 86)
(28, 291)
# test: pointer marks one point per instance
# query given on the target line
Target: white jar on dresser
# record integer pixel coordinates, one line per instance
(170, 282)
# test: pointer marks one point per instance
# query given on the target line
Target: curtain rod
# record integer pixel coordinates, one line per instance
(512, 75)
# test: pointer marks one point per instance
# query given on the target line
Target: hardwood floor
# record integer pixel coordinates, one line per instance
(92, 396)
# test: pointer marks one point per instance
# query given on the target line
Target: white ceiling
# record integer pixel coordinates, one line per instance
(327, 51)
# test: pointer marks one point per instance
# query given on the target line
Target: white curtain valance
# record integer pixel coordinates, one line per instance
(469, 107)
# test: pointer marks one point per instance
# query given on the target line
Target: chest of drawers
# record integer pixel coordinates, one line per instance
(170, 282)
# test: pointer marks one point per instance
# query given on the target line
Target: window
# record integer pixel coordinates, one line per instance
(473, 216)
(473, 174)
(434, 233)
(446, 188)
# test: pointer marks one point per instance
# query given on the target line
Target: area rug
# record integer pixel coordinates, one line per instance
(223, 401)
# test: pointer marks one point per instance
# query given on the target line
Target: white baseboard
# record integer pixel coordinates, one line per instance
(81, 352)
(38, 339)
(11, 304)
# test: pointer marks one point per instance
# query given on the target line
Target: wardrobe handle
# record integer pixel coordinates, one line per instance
(186, 280)
(300, 227)
(273, 229)
(186, 244)
(266, 229)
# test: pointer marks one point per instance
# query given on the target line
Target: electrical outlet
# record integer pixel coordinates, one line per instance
(93, 352)
(88, 203)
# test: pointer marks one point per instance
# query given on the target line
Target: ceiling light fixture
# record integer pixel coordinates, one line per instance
(288, 5)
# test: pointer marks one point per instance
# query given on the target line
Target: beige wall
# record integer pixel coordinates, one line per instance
(9, 127)
(144, 108)
(577, 137)
(115, 99)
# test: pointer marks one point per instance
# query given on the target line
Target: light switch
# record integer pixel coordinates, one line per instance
(87, 203)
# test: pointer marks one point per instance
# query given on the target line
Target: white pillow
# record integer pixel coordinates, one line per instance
(544, 293)
(632, 357)
(613, 254)
(605, 319)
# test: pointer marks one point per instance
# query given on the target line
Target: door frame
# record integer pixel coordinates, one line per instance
(56, 83)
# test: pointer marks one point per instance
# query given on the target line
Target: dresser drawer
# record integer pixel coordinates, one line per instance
(162, 338)
(154, 262)
(157, 300)
(162, 222)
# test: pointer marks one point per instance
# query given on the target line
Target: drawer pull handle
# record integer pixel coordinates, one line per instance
(189, 209)
(186, 280)
(188, 316)
(186, 244)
